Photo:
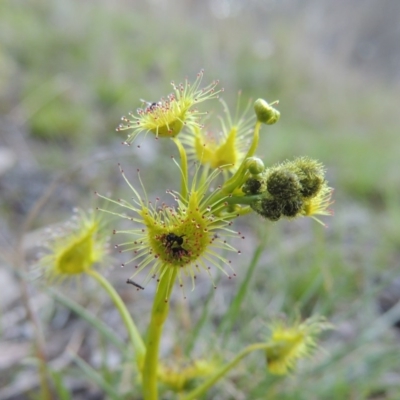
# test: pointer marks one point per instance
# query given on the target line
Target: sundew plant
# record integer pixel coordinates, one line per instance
(221, 178)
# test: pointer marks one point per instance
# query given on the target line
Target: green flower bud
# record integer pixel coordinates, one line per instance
(254, 165)
(271, 209)
(311, 186)
(283, 184)
(292, 208)
(265, 113)
(252, 186)
(311, 175)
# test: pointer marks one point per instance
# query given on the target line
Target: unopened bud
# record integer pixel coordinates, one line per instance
(265, 113)
(255, 165)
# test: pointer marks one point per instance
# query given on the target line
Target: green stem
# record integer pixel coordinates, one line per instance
(247, 200)
(233, 215)
(204, 174)
(202, 389)
(134, 335)
(184, 167)
(159, 314)
(244, 211)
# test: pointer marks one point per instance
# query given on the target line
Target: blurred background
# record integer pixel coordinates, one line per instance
(70, 69)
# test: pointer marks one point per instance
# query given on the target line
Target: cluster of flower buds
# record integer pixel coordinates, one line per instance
(291, 189)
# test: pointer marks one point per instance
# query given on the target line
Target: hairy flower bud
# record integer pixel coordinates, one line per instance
(283, 184)
(311, 175)
(291, 208)
(271, 209)
(253, 186)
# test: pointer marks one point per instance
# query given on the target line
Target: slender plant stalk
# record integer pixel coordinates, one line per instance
(45, 388)
(184, 167)
(226, 324)
(134, 335)
(159, 314)
(202, 389)
(246, 200)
